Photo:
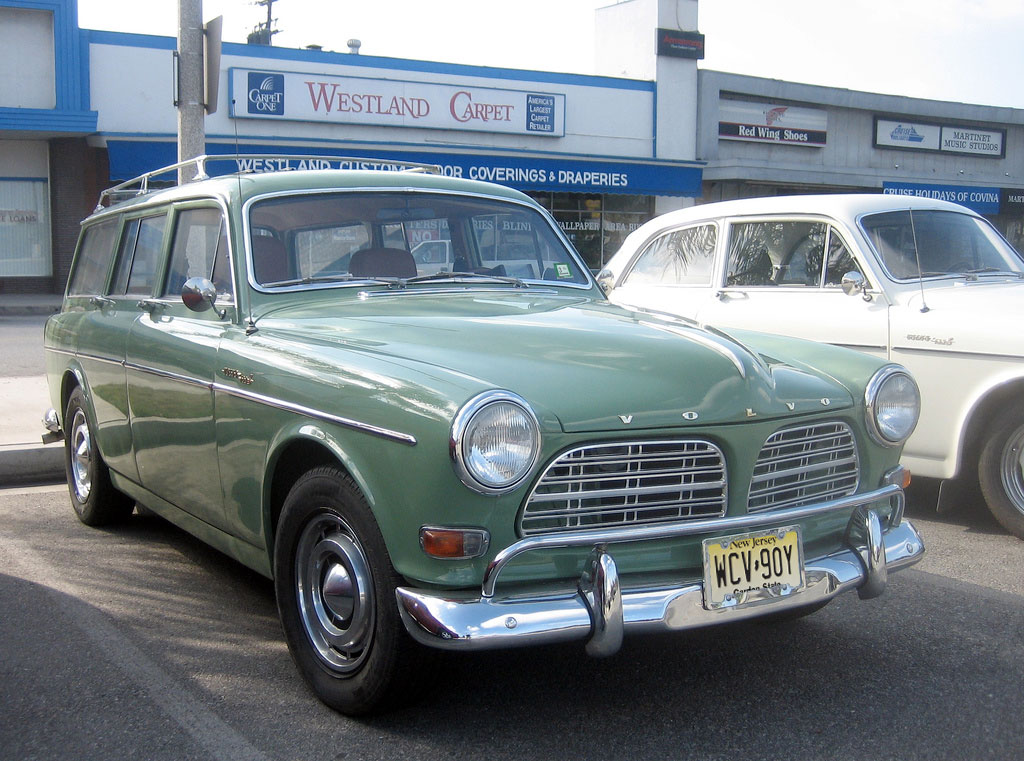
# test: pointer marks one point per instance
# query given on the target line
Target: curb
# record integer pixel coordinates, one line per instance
(24, 310)
(22, 464)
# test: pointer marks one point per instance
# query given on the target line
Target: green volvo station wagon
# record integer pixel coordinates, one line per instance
(483, 453)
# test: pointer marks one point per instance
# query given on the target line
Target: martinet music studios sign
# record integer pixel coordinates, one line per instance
(293, 96)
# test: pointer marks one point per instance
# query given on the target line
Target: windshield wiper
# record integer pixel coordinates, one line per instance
(332, 279)
(462, 275)
(973, 274)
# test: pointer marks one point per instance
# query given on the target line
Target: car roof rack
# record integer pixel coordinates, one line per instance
(139, 186)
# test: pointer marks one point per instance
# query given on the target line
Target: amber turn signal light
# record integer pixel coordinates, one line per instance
(454, 543)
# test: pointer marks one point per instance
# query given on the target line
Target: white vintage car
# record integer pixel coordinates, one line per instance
(925, 283)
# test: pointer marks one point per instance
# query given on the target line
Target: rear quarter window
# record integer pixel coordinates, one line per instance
(93, 261)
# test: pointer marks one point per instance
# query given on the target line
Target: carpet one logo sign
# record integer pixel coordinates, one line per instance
(266, 94)
(771, 123)
(355, 100)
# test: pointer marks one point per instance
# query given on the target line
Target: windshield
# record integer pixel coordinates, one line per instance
(947, 243)
(334, 237)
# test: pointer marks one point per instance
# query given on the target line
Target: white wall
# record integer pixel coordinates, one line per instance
(26, 59)
(626, 46)
(131, 90)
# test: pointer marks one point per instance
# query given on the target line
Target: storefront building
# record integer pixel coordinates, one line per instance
(44, 110)
(82, 109)
(766, 137)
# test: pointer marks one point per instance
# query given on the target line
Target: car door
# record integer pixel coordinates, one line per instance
(170, 362)
(99, 322)
(673, 272)
(783, 275)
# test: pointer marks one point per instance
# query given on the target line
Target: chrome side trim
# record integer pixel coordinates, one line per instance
(355, 425)
(737, 523)
(186, 379)
(85, 355)
(451, 621)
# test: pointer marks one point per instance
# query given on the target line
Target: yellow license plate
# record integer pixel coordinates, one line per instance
(754, 567)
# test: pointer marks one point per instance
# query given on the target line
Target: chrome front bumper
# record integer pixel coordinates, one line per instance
(600, 611)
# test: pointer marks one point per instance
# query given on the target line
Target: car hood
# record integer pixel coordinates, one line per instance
(973, 317)
(590, 364)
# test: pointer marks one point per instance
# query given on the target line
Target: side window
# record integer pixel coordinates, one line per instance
(136, 258)
(840, 260)
(771, 253)
(93, 260)
(199, 250)
(147, 251)
(682, 257)
(124, 256)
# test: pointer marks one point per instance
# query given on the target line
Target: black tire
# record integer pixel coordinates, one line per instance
(350, 647)
(93, 496)
(1001, 471)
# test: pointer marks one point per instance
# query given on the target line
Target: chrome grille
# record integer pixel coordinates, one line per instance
(803, 465)
(627, 484)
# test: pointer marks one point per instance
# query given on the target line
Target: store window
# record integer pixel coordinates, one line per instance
(597, 224)
(25, 227)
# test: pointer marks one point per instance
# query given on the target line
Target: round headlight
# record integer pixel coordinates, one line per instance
(893, 405)
(495, 442)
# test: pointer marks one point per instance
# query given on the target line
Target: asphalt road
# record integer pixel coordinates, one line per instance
(140, 642)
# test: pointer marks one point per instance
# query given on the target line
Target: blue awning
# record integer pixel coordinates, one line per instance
(131, 158)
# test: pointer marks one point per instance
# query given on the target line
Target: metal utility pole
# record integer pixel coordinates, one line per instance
(190, 86)
(263, 33)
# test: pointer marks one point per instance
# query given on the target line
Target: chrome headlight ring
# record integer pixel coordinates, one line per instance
(892, 403)
(494, 442)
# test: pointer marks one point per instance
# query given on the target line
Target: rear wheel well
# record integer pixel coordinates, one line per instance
(981, 420)
(68, 385)
(299, 457)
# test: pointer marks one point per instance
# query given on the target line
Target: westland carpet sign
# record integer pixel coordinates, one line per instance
(293, 96)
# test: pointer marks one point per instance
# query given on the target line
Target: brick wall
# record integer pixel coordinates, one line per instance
(77, 175)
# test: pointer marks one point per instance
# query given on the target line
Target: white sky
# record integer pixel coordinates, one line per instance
(968, 51)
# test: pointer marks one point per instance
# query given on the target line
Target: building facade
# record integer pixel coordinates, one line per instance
(83, 109)
(766, 137)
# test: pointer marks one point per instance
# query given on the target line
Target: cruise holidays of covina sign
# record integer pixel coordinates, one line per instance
(296, 96)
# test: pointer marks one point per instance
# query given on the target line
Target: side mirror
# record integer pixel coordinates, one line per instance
(854, 283)
(199, 295)
(606, 280)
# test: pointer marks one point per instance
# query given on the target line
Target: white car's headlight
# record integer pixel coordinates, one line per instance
(893, 405)
(495, 442)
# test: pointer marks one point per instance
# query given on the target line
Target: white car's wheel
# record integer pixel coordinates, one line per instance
(1001, 471)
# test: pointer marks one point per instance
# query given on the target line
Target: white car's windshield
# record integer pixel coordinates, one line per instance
(334, 237)
(934, 243)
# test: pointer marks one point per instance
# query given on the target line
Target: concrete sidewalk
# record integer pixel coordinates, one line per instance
(24, 459)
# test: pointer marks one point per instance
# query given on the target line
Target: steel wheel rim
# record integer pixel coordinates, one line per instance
(334, 588)
(1011, 469)
(81, 456)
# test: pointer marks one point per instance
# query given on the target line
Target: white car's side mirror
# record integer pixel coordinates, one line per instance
(854, 283)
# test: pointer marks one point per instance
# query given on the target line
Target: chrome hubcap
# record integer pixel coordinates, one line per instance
(1012, 469)
(81, 456)
(335, 593)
